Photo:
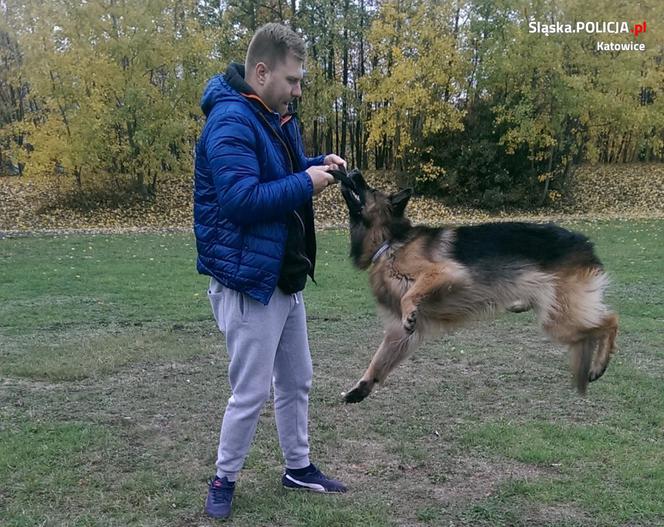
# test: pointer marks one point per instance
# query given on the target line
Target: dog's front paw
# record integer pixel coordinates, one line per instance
(596, 372)
(409, 321)
(358, 393)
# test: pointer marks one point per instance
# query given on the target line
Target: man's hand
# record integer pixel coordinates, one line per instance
(334, 161)
(320, 177)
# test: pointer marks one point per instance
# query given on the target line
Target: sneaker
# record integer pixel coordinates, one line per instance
(310, 478)
(220, 498)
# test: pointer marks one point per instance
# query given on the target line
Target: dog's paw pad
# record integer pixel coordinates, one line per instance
(357, 394)
(410, 321)
(353, 396)
(596, 373)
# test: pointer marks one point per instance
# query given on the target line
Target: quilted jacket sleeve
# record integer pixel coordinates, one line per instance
(313, 161)
(243, 198)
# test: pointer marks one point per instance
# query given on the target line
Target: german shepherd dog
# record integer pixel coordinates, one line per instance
(430, 279)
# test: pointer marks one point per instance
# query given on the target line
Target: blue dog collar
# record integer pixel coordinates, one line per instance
(381, 250)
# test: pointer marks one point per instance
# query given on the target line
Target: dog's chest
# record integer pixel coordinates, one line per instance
(389, 284)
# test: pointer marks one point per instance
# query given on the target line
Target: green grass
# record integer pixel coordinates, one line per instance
(32, 460)
(113, 383)
(595, 464)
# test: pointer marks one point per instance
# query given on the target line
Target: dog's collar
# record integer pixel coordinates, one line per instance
(381, 250)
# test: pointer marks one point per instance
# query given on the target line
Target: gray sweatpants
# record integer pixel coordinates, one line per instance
(266, 345)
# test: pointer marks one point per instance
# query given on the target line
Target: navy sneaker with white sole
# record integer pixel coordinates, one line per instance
(312, 479)
(220, 498)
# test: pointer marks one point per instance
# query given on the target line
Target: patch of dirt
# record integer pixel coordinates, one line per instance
(556, 514)
(472, 479)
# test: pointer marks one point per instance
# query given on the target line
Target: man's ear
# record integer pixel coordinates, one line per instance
(400, 200)
(260, 72)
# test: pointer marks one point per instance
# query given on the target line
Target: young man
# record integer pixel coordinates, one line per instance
(254, 226)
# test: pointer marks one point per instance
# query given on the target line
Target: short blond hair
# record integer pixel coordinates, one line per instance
(271, 44)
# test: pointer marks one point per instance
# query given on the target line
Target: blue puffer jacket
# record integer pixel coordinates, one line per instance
(244, 188)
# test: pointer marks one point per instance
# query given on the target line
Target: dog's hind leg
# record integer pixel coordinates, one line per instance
(606, 347)
(581, 356)
(397, 344)
(580, 319)
(591, 355)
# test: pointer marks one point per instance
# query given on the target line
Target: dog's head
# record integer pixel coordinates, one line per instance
(375, 217)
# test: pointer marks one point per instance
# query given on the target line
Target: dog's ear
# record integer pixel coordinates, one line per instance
(400, 200)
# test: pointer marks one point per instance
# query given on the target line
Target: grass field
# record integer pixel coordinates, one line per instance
(113, 383)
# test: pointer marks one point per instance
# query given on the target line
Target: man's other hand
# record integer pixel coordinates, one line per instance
(334, 161)
(320, 177)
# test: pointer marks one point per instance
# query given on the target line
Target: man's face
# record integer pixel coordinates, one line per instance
(283, 84)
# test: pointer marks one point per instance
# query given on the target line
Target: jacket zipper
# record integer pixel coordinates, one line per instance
(290, 162)
(304, 233)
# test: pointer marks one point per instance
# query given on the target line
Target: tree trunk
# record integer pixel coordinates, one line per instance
(315, 138)
(360, 136)
(330, 78)
(153, 183)
(548, 177)
(344, 82)
(77, 174)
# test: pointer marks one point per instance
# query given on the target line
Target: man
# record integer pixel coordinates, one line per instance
(254, 226)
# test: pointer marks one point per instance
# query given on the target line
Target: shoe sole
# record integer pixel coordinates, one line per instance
(307, 489)
(302, 485)
(217, 516)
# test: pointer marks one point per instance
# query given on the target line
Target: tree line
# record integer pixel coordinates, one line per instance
(458, 98)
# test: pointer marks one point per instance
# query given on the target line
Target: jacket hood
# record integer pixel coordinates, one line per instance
(225, 88)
